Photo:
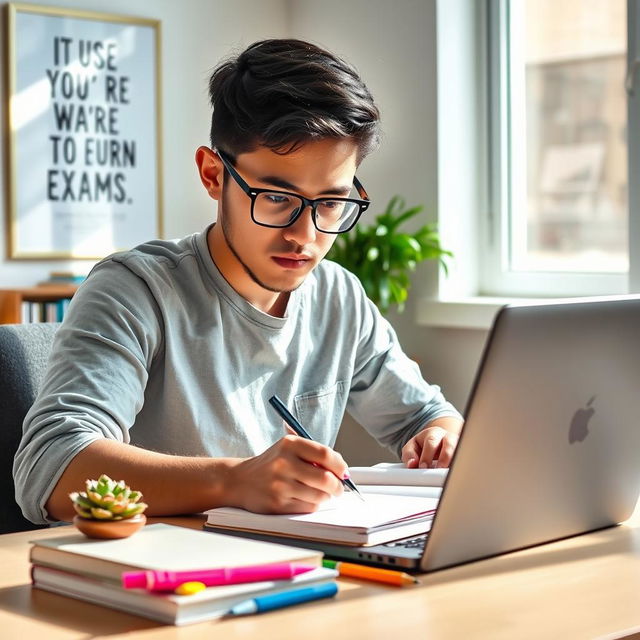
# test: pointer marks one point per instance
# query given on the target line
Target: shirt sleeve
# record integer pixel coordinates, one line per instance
(388, 395)
(95, 380)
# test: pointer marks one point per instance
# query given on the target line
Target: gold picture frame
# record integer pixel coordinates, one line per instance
(84, 122)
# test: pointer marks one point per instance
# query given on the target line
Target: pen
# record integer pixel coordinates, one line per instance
(169, 580)
(290, 419)
(389, 576)
(284, 599)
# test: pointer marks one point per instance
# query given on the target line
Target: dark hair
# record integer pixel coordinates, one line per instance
(284, 93)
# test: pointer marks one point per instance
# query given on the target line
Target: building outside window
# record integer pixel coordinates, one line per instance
(558, 215)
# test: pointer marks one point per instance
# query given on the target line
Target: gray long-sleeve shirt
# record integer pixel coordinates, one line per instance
(158, 350)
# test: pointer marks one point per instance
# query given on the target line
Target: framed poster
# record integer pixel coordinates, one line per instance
(84, 132)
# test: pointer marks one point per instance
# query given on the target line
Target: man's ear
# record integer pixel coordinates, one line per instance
(211, 171)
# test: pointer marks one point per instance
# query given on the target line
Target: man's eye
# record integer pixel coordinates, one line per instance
(276, 198)
(330, 204)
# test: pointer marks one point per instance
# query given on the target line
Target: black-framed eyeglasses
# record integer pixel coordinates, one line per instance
(279, 209)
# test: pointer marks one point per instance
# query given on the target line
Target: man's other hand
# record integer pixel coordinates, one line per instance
(433, 447)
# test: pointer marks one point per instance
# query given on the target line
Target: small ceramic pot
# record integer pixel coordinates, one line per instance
(109, 529)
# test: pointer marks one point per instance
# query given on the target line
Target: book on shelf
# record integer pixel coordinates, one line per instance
(47, 311)
(62, 277)
(91, 570)
(378, 519)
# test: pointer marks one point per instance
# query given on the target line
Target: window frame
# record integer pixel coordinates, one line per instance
(632, 87)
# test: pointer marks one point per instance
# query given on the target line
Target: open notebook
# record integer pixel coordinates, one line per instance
(347, 519)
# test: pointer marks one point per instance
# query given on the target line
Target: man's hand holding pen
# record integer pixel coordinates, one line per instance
(292, 423)
(294, 475)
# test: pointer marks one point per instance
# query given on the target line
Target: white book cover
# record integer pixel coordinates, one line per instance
(161, 547)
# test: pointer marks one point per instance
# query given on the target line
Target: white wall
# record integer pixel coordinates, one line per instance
(393, 46)
(196, 34)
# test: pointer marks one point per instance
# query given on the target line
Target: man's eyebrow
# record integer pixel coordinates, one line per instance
(288, 186)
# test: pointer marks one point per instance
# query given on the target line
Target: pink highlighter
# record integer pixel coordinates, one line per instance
(169, 580)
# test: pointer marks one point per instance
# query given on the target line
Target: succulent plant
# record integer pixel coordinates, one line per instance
(106, 499)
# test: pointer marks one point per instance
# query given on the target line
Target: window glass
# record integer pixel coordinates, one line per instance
(568, 136)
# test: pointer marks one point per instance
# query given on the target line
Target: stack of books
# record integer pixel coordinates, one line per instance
(91, 570)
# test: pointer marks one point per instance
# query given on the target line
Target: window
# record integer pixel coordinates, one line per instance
(557, 220)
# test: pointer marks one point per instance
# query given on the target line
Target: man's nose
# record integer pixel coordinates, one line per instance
(302, 231)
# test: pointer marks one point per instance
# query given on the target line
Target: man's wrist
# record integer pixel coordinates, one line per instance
(223, 482)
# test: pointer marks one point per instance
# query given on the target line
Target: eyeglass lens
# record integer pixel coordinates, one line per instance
(279, 209)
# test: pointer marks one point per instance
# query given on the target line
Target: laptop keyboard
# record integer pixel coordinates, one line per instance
(417, 542)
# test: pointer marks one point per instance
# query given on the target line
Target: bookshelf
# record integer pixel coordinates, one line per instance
(11, 300)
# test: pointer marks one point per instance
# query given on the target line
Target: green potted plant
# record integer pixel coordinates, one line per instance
(383, 257)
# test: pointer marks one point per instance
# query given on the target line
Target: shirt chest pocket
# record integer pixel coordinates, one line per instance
(321, 412)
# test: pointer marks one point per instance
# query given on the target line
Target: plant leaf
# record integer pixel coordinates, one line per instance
(382, 257)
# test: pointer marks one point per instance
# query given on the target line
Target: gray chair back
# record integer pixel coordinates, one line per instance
(24, 352)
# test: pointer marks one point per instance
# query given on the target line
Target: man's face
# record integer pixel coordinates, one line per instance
(278, 260)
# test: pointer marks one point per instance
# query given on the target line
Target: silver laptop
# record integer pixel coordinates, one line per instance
(551, 442)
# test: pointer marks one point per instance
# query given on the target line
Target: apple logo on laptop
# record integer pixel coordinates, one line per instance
(579, 430)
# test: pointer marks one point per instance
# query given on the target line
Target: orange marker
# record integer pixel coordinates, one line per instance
(388, 576)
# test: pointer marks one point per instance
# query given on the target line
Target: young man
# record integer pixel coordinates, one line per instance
(162, 370)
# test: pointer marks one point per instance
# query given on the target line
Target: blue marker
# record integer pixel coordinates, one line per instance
(284, 599)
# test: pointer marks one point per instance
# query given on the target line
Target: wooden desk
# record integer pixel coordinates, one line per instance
(583, 587)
